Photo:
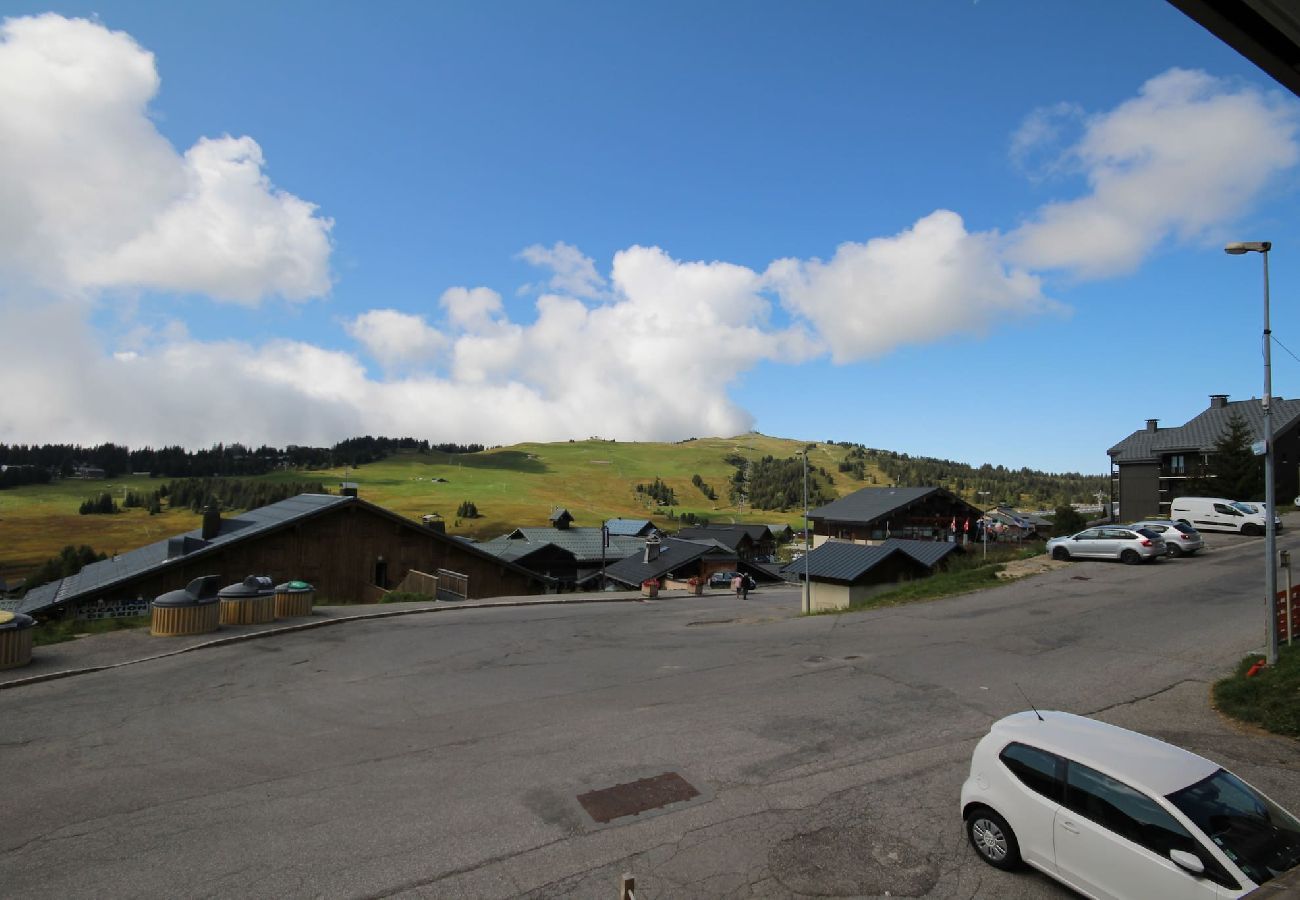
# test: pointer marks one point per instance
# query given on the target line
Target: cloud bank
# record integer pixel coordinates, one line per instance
(98, 204)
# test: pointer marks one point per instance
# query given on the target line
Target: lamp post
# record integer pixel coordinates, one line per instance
(807, 541)
(1270, 529)
(984, 530)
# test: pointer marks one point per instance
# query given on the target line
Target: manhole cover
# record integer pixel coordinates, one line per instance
(636, 797)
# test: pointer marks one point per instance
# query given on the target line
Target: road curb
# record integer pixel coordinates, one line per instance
(304, 626)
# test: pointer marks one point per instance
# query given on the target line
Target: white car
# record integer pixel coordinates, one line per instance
(1180, 538)
(1113, 813)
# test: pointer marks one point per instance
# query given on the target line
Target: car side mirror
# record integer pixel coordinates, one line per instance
(1188, 862)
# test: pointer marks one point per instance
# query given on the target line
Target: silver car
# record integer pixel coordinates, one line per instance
(1180, 538)
(1125, 543)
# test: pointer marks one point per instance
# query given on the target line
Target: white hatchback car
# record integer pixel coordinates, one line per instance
(1113, 813)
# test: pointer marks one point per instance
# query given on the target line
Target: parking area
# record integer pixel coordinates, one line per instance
(522, 751)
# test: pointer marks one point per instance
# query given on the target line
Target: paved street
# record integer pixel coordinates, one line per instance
(443, 755)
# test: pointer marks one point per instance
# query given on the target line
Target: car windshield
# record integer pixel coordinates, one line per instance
(1147, 532)
(1187, 529)
(1245, 507)
(1259, 836)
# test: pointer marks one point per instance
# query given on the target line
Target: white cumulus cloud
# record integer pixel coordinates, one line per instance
(93, 196)
(1187, 155)
(395, 338)
(932, 280)
(572, 272)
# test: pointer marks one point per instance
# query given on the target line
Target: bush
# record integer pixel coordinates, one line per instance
(1268, 699)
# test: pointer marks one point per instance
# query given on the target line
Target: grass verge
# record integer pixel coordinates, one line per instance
(965, 574)
(58, 632)
(1270, 699)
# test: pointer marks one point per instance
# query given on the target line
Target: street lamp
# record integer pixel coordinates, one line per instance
(984, 531)
(1270, 529)
(807, 541)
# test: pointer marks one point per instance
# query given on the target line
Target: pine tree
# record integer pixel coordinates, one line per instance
(1233, 471)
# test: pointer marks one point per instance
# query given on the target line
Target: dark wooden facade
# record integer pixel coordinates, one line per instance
(351, 553)
(930, 519)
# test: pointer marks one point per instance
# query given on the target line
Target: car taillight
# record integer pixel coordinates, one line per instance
(1147, 543)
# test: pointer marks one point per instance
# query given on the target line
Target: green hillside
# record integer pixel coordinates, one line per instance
(521, 485)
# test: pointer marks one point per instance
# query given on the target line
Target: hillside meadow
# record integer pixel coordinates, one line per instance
(511, 486)
(517, 485)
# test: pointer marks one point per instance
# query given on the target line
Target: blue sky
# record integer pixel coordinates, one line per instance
(985, 231)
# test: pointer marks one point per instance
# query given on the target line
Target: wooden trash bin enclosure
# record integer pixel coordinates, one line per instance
(192, 610)
(293, 598)
(15, 639)
(250, 602)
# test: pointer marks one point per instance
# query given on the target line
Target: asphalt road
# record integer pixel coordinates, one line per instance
(443, 755)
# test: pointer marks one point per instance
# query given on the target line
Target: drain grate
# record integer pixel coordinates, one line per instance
(636, 797)
(1080, 578)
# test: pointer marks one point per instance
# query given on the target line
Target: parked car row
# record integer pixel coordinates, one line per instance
(1126, 543)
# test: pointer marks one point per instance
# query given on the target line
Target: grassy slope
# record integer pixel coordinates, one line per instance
(517, 485)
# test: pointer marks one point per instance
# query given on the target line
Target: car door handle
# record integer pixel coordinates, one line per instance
(1070, 826)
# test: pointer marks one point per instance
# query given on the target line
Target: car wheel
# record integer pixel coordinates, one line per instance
(992, 838)
(1175, 551)
(1060, 553)
(1130, 557)
(1252, 529)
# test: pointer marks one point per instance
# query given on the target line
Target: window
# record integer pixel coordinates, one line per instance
(1090, 535)
(1125, 811)
(1225, 509)
(1177, 465)
(1260, 837)
(1037, 769)
(1122, 534)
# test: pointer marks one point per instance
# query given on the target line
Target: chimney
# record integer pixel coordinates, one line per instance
(1218, 401)
(651, 549)
(1153, 425)
(434, 522)
(211, 522)
(348, 489)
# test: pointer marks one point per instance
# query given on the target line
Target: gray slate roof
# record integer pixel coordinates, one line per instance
(1200, 433)
(840, 561)
(109, 573)
(100, 576)
(870, 504)
(727, 535)
(629, 527)
(927, 553)
(843, 561)
(674, 553)
(583, 543)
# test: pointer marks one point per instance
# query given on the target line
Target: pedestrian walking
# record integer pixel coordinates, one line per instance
(745, 581)
(735, 585)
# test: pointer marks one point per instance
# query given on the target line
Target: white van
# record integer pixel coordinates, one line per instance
(1217, 514)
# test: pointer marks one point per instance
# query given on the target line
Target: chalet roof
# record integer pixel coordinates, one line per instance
(1198, 434)
(125, 567)
(630, 527)
(870, 504)
(561, 514)
(845, 563)
(731, 536)
(927, 553)
(674, 553)
(583, 543)
(848, 565)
